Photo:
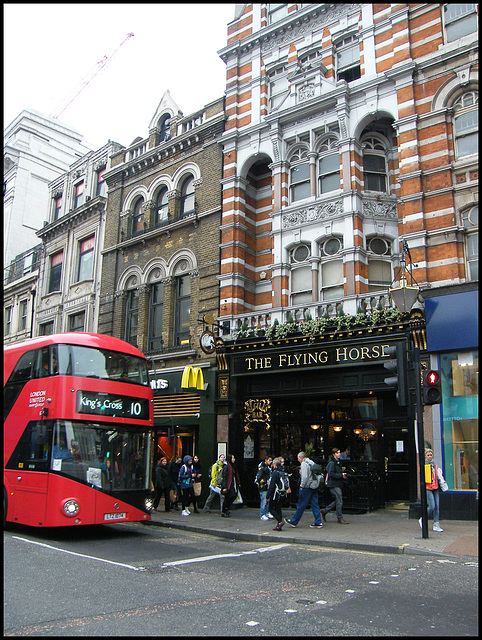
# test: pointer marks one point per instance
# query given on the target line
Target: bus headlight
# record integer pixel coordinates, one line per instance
(149, 503)
(71, 508)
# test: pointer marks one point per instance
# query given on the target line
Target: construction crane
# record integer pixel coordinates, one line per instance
(87, 79)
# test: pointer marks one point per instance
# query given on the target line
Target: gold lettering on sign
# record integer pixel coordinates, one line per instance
(257, 411)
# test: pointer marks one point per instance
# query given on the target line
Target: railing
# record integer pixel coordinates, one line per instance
(362, 491)
(366, 302)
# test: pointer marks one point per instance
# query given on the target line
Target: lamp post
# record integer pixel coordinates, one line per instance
(404, 297)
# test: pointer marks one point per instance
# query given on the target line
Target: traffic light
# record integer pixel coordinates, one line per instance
(398, 366)
(432, 387)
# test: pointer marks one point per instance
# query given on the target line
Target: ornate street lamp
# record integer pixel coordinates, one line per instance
(404, 297)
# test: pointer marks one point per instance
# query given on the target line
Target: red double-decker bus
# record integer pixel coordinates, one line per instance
(78, 419)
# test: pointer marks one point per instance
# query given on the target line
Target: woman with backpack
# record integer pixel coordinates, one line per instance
(278, 486)
(185, 481)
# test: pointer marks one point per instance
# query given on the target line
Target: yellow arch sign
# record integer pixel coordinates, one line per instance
(192, 377)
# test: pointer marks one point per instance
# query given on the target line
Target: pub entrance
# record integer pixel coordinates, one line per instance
(398, 448)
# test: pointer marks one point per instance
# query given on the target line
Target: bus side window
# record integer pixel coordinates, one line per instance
(33, 448)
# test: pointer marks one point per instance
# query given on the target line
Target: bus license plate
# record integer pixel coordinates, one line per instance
(114, 516)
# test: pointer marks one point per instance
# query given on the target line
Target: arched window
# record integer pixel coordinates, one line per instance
(300, 175)
(162, 207)
(301, 280)
(329, 167)
(187, 198)
(466, 124)
(138, 217)
(182, 314)
(165, 128)
(470, 220)
(375, 174)
(156, 300)
(132, 311)
(331, 271)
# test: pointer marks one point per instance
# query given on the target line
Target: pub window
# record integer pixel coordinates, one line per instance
(300, 187)
(86, 259)
(379, 275)
(379, 246)
(466, 124)
(162, 207)
(277, 12)
(329, 166)
(460, 20)
(55, 271)
(132, 314)
(182, 310)
(348, 59)
(301, 285)
(332, 280)
(187, 198)
(77, 321)
(470, 220)
(156, 299)
(375, 174)
(138, 217)
(78, 194)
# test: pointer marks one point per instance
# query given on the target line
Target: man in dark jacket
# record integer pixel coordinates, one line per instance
(334, 482)
(273, 498)
(174, 466)
(163, 484)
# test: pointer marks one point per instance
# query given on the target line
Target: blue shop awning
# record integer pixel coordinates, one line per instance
(452, 321)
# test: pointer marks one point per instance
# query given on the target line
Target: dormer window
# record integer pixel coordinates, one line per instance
(165, 128)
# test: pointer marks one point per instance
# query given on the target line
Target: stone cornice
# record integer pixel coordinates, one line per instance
(92, 208)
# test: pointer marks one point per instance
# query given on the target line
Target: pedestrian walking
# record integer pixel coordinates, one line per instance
(262, 481)
(162, 484)
(196, 465)
(230, 491)
(186, 477)
(174, 467)
(218, 474)
(308, 493)
(334, 481)
(277, 489)
(433, 481)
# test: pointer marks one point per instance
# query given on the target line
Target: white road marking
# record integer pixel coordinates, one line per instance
(219, 556)
(80, 555)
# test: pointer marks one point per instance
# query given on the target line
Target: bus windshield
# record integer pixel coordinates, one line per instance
(89, 362)
(111, 458)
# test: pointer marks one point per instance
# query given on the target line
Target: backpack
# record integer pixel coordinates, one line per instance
(260, 480)
(283, 488)
(317, 474)
(184, 480)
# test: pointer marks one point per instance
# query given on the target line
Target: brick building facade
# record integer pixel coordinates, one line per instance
(161, 263)
(350, 153)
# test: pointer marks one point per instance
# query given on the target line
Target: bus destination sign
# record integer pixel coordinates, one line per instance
(105, 404)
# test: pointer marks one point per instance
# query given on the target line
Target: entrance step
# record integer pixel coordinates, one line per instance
(397, 506)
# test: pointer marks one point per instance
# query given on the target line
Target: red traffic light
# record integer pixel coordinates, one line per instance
(432, 387)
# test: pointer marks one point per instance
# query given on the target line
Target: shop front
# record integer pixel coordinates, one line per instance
(184, 420)
(452, 340)
(313, 396)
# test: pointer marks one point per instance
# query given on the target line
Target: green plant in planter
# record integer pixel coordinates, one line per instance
(309, 448)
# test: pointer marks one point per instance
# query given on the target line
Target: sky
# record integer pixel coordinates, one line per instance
(51, 50)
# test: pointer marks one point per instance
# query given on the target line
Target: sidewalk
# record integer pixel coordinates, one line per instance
(383, 531)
